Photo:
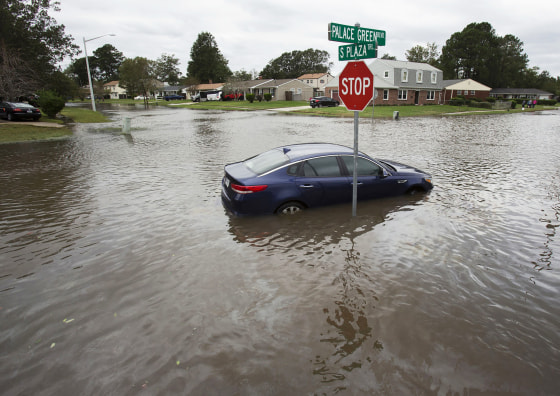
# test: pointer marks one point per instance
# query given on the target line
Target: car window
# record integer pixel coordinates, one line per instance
(321, 167)
(365, 167)
(267, 161)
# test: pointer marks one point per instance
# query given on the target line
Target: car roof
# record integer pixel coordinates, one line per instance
(306, 150)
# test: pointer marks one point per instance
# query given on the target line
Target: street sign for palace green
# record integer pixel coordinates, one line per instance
(357, 51)
(355, 34)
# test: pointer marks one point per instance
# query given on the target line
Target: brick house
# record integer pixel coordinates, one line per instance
(468, 88)
(401, 83)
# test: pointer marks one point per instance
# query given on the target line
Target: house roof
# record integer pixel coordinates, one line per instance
(378, 82)
(396, 64)
(312, 76)
(111, 83)
(519, 91)
(278, 83)
(248, 84)
(465, 84)
(206, 87)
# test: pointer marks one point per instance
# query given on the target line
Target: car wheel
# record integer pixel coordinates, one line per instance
(290, 208)
(10, 117)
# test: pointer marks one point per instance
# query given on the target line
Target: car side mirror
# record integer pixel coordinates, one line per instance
(384, 173)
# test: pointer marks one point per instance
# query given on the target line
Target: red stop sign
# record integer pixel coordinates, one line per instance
(355, 86)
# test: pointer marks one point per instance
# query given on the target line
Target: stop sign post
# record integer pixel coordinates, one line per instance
(355, 91)
(356, 86)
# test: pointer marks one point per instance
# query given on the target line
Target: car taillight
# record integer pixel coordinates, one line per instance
(247, 189)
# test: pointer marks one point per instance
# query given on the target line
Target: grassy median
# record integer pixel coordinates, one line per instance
(47, 128)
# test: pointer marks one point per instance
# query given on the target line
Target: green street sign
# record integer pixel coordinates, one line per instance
(356, 51)
(355, 35)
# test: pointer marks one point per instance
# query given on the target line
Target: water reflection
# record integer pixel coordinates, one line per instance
(311, 239)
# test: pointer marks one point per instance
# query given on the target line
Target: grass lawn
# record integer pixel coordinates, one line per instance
(12, 133)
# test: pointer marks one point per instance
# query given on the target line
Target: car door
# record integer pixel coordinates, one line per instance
(3, 110)
(321, 181)
(372, 182)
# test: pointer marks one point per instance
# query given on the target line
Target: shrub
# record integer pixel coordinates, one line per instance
(259, 98)
(251, 98)
(457, 101)
(50, 103)
(513, 104)
(267, 97)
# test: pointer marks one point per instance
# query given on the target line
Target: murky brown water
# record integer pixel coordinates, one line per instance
(121, 274)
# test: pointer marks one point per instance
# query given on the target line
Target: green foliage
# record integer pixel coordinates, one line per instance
(478, 53)
(166, 68)
(296, 63)
(31, 44)
(267, 97)
(428, 54)
(136, 75)
(250, 98)
(513, 104)
(50, 103)
(106, 62)
(207, 63)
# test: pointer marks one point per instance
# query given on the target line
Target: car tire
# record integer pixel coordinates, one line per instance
(10, 117)
(290, 208)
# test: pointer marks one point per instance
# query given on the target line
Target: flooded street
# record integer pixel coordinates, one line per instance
(121, 273)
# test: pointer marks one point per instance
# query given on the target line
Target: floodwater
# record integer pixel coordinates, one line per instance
(121, 274)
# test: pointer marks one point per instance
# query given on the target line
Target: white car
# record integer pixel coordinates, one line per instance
(140, 97)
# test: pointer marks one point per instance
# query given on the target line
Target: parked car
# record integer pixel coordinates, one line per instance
(321, 101)
(291, 178)
(18, 111)
(140, 97)
(173, 97)
(214, 95)
(232, 96)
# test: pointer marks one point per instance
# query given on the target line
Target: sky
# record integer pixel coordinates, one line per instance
(251, 33)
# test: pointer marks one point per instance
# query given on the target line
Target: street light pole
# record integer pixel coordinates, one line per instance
(88, 71)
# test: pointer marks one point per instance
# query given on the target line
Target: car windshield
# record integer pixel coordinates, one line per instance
(267, 161)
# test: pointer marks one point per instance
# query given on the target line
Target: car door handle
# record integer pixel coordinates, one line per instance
(306, 185)
(359, 183)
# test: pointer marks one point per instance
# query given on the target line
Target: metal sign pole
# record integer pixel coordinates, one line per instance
(355, 173)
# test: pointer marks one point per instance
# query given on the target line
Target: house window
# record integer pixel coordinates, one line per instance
(403, 94)
(431, 95)
(322, 81)
(473, 93)
(419, 76)
(386, 74)
(434, 78)
(404, 75)
(299, 91)
(459, 92)
(385, 94)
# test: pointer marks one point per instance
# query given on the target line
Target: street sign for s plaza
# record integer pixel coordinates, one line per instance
(355, 34)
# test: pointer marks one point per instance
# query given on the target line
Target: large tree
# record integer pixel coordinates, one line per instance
(167, 69)
(137, 76)
(478, 53)
(31, 44)
(296, 63)
(107, 60)
(428, 54)
(207, 63)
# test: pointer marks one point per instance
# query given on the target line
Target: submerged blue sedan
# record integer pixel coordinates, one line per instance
(291, 178)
